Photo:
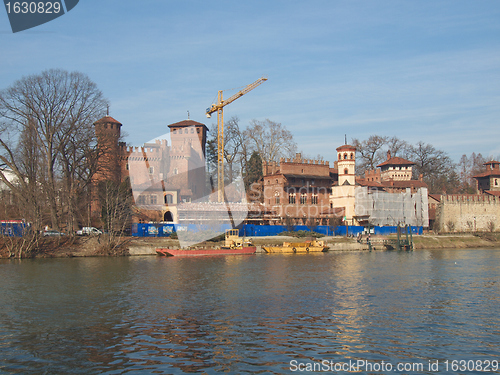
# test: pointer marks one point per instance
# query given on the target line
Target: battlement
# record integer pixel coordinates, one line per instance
(152, 149)
(299, 160)
(469, 199)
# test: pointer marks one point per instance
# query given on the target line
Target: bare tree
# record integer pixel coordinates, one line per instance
(270, 139)
(47, 113)
(370, 152)
(434, 165)
(398, 147)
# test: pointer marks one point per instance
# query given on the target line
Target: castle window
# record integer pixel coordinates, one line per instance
(185, 131)
(314, 199)
(151, 170)
(169, 199)
(291, 198)
(198, 130)
(496, 182)
(175, 131)
(277, 197)
(346, 171)
(176, 171)
(141, 199)
(127, 167)
(303, 198)
(192, 130)
(352, 156)
(153, 199)
(345, 156)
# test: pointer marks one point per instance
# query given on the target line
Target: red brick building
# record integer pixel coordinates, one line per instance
(297, 191)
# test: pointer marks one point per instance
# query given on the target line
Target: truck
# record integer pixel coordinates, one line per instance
(88, 231)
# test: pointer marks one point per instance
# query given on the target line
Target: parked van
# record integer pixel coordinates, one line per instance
(88, 231)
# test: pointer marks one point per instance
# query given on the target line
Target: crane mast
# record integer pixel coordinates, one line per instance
(218, 107)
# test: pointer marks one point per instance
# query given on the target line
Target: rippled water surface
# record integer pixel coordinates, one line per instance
(248, 314)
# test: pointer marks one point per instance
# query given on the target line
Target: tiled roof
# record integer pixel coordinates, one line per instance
(107, 120)
(495, 193)
(396, 160)
(364, 182)
(346, 148)
(492, 162)
(186, 123)
(404, 184)
(488, 173)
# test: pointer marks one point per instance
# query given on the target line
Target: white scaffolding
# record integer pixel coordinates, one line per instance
(385, 209)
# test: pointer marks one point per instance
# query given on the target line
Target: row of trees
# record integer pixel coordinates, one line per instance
(246, 147)
(437, 168)
(48, 148)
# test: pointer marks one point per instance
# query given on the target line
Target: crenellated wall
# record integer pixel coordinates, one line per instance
(468, 213)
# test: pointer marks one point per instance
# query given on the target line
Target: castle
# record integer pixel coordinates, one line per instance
(161, 175)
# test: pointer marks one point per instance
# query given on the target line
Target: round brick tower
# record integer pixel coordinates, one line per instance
(107, 130)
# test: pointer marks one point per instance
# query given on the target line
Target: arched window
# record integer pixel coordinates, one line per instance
(352, 156)
(345, 156)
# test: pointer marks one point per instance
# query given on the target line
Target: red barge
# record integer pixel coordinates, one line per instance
(233, 245)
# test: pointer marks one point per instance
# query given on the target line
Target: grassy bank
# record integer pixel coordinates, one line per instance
(461, 241)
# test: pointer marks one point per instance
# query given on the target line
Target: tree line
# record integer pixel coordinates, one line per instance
(245, 148)
(49, 152)
(438, 170)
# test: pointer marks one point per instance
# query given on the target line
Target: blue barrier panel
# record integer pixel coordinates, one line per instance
(14, 228)
(351, 230)
(252, 230)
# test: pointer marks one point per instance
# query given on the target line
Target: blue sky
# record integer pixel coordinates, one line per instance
(423, 71)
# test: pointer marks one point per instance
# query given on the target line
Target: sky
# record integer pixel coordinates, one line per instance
(422, 71)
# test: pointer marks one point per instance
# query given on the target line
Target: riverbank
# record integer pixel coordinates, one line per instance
(60, 247)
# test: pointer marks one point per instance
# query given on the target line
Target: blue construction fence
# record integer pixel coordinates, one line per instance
(14, 228)
(251, 230)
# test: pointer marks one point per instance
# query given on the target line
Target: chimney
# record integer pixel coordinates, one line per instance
(388, 154)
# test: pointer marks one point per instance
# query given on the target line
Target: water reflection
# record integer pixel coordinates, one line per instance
(246, 314)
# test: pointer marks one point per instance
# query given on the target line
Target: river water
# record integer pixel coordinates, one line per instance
(262, 313)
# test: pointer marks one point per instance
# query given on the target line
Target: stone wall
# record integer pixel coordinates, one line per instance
(468, 213)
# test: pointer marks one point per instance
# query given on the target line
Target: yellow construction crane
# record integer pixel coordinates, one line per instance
(220, 130)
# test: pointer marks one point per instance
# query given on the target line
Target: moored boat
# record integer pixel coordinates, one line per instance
(211, 251)
(297, 247)
(233, 245)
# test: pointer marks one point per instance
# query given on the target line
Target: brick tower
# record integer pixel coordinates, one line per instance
(107, 130)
